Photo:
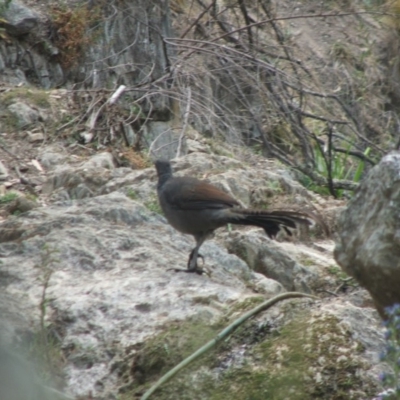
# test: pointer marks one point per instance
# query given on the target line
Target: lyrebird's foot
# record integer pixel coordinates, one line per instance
(191, 257)
(196, 270)
(199, 271)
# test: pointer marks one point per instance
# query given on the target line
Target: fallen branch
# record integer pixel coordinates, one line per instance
(185, 121)
(113, 99)
(228, 330)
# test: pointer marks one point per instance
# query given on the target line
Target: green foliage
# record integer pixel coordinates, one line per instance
(8, 198)
(153, 205)
(342, 278)
(343, 167)
(132, 194)
(39, 98)
(336, 271)
(360, 167)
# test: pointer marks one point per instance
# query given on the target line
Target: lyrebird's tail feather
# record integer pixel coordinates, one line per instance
(271, 221)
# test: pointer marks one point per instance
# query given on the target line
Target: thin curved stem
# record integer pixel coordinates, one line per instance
(228, 330)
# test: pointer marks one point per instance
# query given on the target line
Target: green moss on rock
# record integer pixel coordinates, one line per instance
(314, 356)
(39, 98)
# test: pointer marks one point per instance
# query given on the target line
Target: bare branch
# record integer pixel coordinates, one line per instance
(113, 99)
(185, 121)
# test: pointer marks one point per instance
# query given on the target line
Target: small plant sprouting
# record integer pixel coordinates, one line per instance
(336, 271)
(47, 260)
(392, 354)
(153, 205)
(132, 194)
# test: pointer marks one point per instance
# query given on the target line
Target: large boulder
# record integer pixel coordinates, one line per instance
(19, 19)
(368, 245)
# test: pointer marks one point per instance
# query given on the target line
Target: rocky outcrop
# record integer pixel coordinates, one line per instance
(92, 275)
(368, 244)
(86, 285)
(19, 19)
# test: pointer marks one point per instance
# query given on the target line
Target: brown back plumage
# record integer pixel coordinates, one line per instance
(197, 208)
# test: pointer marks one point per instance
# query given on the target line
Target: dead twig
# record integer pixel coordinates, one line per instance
(185, 121)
